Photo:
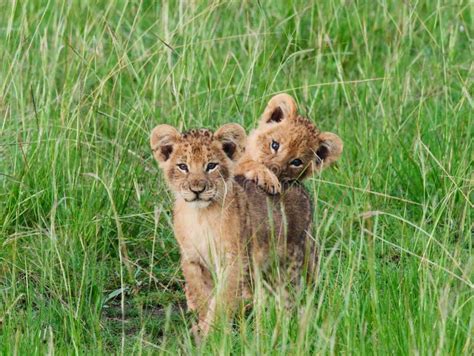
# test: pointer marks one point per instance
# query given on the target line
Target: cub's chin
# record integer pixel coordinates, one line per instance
(200, 204)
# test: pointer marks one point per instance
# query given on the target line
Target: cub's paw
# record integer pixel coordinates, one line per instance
(265, 179)
(197, 334)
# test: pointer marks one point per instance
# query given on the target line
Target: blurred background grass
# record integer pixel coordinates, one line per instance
(83, 83)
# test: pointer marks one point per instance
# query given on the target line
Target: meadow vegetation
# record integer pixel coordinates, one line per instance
(88, 261)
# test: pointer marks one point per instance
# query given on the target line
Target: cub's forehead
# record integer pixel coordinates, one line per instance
(197, 143)
(203, 135)
(197, 138)
(297, 131)
(304, 127)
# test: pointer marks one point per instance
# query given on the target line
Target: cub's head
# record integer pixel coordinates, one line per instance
(198, 164)
(291, 145)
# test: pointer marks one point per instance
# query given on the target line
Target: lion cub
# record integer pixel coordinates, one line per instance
(226, 228)
(286, 147)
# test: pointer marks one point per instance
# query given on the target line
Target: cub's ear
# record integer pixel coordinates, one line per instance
(329, 150)
(233, 139)
(162, 139)
(280, 107)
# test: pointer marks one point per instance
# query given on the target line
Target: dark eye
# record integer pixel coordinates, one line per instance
(296, 162)
(275, 145)
(183, 167)
(211, 166)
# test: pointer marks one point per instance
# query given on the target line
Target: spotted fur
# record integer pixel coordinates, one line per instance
(298, 139)
(229, 231)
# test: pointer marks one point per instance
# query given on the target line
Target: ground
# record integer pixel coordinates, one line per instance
(83, 82)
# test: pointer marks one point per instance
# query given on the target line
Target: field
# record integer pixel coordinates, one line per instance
(88, 261)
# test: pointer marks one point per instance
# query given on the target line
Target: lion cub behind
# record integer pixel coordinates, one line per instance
(226, 228)
(286, 146)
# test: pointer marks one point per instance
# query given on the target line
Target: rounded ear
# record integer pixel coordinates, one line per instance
(233, 139)
(280, 107)
(329, 149)
(162, 139)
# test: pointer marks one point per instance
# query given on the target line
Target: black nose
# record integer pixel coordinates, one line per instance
(275, 169)
(198, 186)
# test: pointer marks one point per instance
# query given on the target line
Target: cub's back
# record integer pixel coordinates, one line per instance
(281, 221)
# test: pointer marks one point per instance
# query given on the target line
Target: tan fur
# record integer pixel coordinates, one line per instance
(297, 137)
(229, 229)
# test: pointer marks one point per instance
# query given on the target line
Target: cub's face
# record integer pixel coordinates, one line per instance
(198, 164)
(290, 145)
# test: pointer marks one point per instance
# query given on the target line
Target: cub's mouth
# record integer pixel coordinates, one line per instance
(198, 194)
(199, 203)
(201, 199)
(197, 199)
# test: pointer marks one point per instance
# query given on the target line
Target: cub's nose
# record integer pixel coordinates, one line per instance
(198, 186)
(275, 168)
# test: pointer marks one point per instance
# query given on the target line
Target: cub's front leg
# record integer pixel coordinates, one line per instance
(227, 293)
(260, 174)
(198, 287)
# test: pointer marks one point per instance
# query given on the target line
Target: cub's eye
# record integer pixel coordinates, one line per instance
(211, 166)
(275, 145)
(296, 162)
(183, 167)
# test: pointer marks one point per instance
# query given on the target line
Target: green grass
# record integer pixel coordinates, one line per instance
(81, 86)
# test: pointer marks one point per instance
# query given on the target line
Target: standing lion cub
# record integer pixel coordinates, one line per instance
(227, 228)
